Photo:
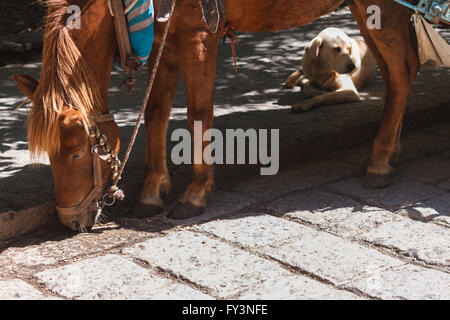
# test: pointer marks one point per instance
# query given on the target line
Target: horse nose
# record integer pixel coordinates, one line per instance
(351, 67)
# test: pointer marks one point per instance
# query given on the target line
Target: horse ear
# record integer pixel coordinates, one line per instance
(70, 117)
(27, 84)
(313, 48)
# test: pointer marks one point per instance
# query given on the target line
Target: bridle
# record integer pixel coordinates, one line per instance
(96, 200)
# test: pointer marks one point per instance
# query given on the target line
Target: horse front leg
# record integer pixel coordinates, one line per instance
(157, 179)
(398, 62)
(198, 64)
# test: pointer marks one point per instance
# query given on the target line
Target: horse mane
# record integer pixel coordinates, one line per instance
(66, 80)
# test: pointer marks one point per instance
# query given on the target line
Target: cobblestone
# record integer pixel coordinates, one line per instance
(320, 253)
(400, 194)
(113, 277)
(17, 289)
(407, 282)
(436, 209)
(303, 177)
(331, 212)
(423, 241)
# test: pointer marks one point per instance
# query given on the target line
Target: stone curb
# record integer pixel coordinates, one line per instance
(16, 223)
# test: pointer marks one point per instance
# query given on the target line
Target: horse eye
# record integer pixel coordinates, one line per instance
(337, 49)
(78, 155)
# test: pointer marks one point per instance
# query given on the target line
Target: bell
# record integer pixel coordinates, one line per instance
(92, 132)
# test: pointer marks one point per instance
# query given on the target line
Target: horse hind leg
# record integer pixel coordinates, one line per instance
(399, 64)
(157, 179)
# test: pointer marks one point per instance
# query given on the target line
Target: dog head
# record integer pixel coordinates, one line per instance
(332, 48)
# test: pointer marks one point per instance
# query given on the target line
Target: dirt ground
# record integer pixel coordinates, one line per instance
(20, 15)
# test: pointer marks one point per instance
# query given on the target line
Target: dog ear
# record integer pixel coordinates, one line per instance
(313, 48)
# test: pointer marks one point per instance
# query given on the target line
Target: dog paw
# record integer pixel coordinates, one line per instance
(301, 107)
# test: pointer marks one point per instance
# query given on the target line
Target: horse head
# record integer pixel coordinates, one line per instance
(69, 118)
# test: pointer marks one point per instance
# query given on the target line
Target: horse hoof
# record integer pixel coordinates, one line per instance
(185, 211)
(377, 181)
(142, 210)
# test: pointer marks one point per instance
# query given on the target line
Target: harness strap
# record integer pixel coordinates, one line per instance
(130, 62)
(228, 32)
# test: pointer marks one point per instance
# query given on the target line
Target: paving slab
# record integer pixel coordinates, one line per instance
(331, 212)
(445, 184)
(401, 193)
(14, 223)
(442, 130)
(426, 242)
(225, 270)
(34, 253)
(221, 203)
(329, 257)
(301, 177)
(296, 287)
(113, 277)
(420, 143)
(436, 209)
(16, 289)
(406, 282)
(430, 170)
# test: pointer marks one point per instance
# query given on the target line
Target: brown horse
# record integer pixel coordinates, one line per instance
(190, 49)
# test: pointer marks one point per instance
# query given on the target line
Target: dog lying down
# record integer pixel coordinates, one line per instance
(333, 68)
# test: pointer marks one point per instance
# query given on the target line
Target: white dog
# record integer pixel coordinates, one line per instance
(333, 68)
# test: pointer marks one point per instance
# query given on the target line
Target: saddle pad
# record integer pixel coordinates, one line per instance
(140, 27)
(433, 50)
(210, 10)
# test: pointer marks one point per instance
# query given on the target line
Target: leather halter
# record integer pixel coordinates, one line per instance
(94, 201)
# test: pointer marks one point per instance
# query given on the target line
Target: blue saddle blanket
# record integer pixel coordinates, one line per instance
(140, 26)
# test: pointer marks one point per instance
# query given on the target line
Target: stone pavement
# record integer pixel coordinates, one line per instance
(310, 232)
